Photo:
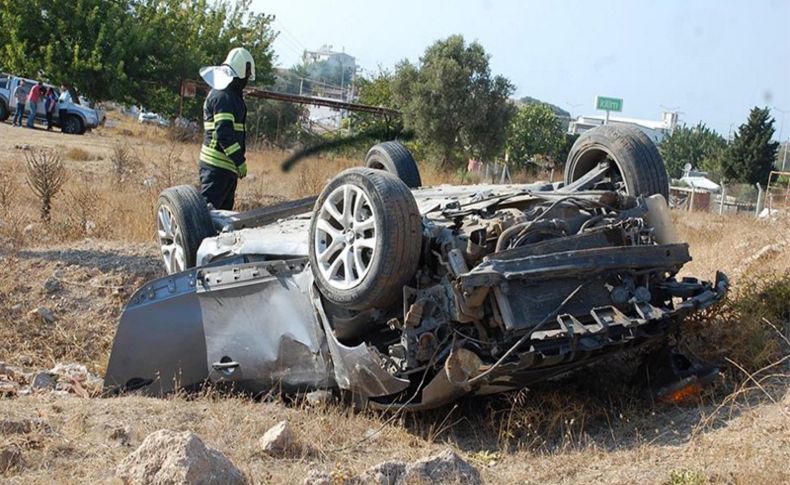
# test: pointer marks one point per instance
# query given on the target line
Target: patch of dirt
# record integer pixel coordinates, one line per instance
(82, 287)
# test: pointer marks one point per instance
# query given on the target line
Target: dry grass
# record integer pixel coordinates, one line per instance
(78, 154)
(590, 429)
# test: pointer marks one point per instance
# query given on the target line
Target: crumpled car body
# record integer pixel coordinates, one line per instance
(516, 284)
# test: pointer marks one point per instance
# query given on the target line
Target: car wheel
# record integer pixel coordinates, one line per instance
(3, 110)
(393, 157)
(365, 239)
(73, 125)
(635, 167)
(182, 222)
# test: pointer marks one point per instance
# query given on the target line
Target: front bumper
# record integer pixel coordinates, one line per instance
(569, 341)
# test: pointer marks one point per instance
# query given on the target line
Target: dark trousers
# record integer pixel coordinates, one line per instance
(218, 187)
(62, 118)
(49, 120)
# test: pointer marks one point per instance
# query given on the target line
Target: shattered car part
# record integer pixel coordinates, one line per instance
(511, 285)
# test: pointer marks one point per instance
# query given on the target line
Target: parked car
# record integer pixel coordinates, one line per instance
(79, 117)
(413, 297)
(148, 118)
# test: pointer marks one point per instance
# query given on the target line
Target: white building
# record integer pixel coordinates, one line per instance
(656, 130)
(326, 54)
(322, 118)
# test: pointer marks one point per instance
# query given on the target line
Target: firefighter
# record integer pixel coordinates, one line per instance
(222, 156)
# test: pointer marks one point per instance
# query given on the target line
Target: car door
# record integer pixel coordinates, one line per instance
(261, 328)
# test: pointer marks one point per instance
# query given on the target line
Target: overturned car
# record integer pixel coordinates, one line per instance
(411, 296)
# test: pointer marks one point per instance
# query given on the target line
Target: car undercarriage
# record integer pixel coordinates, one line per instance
(413, 297)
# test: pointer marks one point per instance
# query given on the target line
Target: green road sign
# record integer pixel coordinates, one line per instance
(608, 104)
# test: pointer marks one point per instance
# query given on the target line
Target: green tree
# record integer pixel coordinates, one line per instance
(376, 90)
(83, 43)
(535, 131)
(751, 155)
(177, 37)
(452, 101)
(698, 145)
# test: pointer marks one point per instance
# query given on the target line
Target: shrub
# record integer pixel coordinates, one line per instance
(124, 162)
(45, 177)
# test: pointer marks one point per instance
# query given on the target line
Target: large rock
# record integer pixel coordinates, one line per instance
(279, 440)
(446, 467)
(169, 457)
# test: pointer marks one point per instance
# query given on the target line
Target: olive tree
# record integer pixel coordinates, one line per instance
(453, 102)
(535, 131)
(698, 145)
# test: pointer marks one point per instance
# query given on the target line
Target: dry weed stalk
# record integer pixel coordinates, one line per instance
(170, 171)
(124, 162)
(46, 175)
(84, 203)
(7, 190)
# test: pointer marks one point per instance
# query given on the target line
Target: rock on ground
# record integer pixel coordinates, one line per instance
(169, 457)
(279, 440)
(43, 314)
(317, 477)
(446, 467)
(45, 381)
(24, 426)
(11, 458)
(386, 473)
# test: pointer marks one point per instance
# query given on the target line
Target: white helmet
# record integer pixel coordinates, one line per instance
(242, 63)
(238, 64)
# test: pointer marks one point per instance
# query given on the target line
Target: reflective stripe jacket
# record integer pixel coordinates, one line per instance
(224, 115)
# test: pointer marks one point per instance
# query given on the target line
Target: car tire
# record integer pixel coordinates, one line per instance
(636, 157)
(367, 222)
(182, 222)
(4, 113)
(73, 125)
(393, 157)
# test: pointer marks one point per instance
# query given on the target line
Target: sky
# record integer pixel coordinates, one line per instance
(710, 60)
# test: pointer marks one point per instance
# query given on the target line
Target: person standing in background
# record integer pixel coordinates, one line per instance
(32, 100)
(20, 96)
(223, 154)
(50, 103)
(63, 101)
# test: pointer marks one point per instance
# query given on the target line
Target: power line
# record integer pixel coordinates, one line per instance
(287, 32)
(296, 45)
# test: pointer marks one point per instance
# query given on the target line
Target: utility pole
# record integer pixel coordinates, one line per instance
(781, 130)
